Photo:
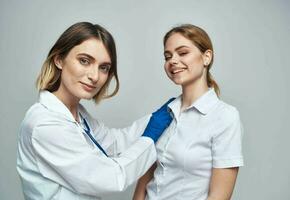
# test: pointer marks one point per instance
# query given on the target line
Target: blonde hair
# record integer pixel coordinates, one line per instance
(49, 77)
(202, 41)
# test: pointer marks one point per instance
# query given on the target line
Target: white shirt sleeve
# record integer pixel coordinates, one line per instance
(227, 144)
(63, 156)
(123, 137)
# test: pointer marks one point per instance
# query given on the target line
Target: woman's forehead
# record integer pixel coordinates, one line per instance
(93, 47)
(177, 40)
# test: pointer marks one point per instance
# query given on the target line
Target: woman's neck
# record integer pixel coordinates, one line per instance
(69, 101)
(191, 92)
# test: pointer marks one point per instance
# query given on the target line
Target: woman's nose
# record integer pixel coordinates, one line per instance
(174, 60)
(93, 74)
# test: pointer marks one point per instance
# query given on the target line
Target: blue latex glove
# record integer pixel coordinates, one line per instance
(158, 122)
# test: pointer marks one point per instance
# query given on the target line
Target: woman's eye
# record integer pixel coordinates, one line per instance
(84, 61)
(182, 53)
(105, 68)
(167, 57)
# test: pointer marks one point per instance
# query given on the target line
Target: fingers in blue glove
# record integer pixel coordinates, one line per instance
(164, 106)
(158, 122)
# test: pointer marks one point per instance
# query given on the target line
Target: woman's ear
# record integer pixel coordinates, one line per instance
(207, 57)
(58, 62)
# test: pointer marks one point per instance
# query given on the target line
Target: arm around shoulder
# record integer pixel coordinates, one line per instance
(64, 156)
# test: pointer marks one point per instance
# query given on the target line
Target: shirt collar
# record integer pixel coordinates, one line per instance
(175, 105)
(51, 102)
(206, 102)
(203, 104)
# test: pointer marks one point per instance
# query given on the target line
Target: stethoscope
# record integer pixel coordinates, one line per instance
(88, 132)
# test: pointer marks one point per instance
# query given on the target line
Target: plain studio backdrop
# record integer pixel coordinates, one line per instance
(252, 66)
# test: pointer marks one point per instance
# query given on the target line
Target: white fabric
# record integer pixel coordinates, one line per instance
(57, 160)
(204, 136)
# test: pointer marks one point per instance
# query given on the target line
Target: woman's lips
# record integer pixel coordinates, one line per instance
(88, 87)
(177, 71)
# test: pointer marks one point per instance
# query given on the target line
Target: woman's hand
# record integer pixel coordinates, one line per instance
(158, 122)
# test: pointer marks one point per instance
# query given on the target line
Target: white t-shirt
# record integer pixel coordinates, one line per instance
(204, 136)
(57, 160)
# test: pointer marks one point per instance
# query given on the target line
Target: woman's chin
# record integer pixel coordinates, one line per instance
(177, 81)
(86, 95)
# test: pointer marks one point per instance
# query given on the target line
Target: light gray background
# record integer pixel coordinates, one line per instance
(251, 41)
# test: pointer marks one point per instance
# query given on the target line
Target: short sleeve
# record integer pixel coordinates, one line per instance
(227, 143)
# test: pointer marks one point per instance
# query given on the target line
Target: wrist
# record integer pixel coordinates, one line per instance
(152, 138)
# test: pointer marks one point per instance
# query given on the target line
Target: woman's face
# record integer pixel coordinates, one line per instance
(184, 63)
(84, 70)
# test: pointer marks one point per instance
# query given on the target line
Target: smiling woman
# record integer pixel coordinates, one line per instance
(63, 153)
(85, 70)
(86, 42)
(200, 153)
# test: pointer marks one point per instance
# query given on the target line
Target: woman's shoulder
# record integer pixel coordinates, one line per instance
(36, 111)
(227, 108)
(32, 116)
(227, 112)
(37, 115)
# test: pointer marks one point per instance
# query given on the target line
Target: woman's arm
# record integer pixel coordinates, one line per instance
(125, 137)
(64, 156)
(140, 190)
(153, 125)
(222, 183)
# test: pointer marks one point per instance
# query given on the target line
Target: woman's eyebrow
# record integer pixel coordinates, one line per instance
(180, 47)
(106, 63)
(87, 55)
(93, 59)
(176, 49)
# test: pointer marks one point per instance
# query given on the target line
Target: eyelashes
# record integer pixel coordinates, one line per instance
(84, 61)
(181, 54)
(105, 68)
(166, 58)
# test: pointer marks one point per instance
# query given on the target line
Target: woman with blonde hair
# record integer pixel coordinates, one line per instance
(64, 153)
(199, 155)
